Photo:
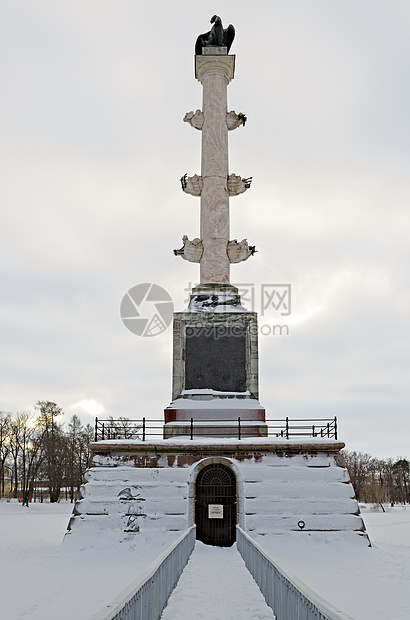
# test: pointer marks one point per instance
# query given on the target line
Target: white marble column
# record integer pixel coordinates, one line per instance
(214, 70)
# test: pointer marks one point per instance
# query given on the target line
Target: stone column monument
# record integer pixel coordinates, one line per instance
(215, 365)
(282, 484)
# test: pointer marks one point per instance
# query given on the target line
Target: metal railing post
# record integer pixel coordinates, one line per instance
(335, 428)
(287, 428)
(143, 429)
(239, 428)
(192, 428)
(95, 430)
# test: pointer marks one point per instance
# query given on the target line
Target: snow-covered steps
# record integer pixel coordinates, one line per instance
(304, 492)
(135, 489)
(133, 500)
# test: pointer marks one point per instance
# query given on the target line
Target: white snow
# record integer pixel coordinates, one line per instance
(210, 391)
(208, 590)
(42, 579)
(220, 309)
(249, 441)
(216, 403)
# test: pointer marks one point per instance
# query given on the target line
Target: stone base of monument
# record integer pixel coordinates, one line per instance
(214, 429)
(215, 350)
(215, 368)
(209, 413)
(139, 489)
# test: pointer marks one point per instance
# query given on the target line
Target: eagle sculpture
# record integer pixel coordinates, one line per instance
(218, 36)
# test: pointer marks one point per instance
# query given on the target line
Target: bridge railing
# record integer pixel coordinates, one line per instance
(147, 429)
(289, 598)
(146, 598)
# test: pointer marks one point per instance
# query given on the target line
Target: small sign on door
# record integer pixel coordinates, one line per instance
(215, 511)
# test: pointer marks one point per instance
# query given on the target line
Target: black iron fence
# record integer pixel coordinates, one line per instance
(147, 429)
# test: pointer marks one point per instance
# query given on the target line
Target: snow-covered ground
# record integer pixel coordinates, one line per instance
(42, 579)
(366, 583)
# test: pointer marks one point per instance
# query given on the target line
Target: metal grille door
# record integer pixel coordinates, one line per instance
(215, 506)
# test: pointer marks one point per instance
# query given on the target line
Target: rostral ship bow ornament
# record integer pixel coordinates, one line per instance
(214, 250)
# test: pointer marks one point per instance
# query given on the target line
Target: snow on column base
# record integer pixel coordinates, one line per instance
(215, 414)
(136, 490)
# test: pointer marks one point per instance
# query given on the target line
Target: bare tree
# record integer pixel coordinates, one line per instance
(25, 442)
(121, 428)
(360, 467)
(15, 446)
(77, 439)
(31, 456)
(379, 481)
(53, 445)
(5, 419)
(83, 455)
(401, 470)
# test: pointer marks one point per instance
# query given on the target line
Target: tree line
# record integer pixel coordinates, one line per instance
(38, 451)
(379, 481)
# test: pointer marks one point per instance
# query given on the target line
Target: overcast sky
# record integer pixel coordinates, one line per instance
(93, 146)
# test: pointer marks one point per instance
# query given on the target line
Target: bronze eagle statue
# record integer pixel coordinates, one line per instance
(218, 36)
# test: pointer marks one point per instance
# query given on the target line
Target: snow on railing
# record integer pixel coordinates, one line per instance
(143, 429)
(287, 595)
(146, 598)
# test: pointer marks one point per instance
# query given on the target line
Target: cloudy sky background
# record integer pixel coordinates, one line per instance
(93, 146)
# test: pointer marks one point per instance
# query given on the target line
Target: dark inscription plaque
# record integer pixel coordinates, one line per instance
(216, 358)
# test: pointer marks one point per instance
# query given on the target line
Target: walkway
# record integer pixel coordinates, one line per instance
(216, 585)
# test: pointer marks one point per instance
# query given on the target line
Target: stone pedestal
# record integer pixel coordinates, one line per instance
(140, 489)
(215, 367)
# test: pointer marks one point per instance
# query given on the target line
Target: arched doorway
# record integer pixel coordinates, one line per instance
(215, 505)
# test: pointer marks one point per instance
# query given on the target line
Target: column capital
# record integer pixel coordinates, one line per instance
(215, 65)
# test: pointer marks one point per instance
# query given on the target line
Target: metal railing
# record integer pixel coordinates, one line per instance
(289, 598)
(146, 598)
(143, 429)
